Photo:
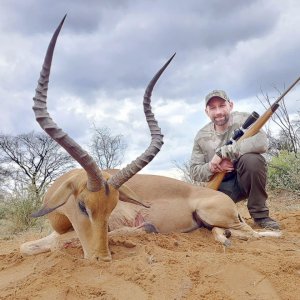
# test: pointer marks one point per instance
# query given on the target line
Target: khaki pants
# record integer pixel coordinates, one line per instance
(248, 181)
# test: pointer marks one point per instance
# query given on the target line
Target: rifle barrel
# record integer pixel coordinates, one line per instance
(286, 91)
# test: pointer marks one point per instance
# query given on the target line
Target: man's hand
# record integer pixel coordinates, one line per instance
(218, 164)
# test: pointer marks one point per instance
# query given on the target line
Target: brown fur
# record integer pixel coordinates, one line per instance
(172, 204)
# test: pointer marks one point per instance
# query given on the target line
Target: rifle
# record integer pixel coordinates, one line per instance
(217, 178)
(238, 133)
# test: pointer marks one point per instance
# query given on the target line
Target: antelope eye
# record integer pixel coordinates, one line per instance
(82, 207)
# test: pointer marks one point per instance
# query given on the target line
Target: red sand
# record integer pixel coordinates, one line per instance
(157, 266)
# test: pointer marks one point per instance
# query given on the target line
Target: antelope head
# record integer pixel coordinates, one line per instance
(87, 197)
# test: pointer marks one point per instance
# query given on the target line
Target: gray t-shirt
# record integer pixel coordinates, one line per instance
(208, 140)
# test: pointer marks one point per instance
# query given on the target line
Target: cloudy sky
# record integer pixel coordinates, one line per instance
(108, 51)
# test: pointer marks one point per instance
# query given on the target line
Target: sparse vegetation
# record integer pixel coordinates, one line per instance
(283, 172)
(17, 208)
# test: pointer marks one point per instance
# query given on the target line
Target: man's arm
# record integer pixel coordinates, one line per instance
(254, 144)
(199, 167)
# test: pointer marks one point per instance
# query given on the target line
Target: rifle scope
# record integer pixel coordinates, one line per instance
(240, 131)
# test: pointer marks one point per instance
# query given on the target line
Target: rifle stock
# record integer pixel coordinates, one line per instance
(217, 178)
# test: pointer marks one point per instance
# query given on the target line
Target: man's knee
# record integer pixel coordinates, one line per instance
(252, 162)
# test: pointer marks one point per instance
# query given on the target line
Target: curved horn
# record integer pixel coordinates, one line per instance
(156, 142)
(95, 179)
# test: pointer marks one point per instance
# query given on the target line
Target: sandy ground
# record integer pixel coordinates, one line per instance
(157, 266)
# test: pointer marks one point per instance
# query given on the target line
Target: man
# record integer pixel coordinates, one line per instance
(245, 166)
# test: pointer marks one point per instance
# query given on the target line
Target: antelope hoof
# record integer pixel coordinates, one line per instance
(106, 258)
(98, 256)
(103, 258)
(227, 243)
(227, 233)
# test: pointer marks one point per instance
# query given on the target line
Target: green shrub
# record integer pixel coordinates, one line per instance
(19, 207)
(284, 172)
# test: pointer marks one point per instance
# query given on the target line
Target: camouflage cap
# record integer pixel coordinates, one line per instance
(216, 93)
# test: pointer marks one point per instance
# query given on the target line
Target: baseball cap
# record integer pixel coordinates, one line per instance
(216, 93)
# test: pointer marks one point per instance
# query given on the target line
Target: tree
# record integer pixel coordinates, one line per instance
(4, 175)
(107, 149)
(33, 160)
(184, 169)
(289, 138)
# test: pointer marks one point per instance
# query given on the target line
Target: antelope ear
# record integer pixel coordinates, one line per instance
(126, 194)
(45, 210)
(58, 199)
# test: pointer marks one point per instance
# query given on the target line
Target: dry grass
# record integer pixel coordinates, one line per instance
(7, 229)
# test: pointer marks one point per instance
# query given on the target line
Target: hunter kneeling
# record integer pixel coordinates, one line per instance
(246, 169)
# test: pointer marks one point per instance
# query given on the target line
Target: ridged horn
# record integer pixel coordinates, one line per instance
(156, 138)
(95, 179)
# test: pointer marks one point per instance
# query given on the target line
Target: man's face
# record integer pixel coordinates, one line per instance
(218, 110)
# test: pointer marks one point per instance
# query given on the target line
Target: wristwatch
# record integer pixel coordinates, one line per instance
(219, 152)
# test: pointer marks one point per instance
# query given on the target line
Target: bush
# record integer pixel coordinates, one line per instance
(284, 171)
(18, 209)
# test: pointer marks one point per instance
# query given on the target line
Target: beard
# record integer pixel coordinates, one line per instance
(224, 120)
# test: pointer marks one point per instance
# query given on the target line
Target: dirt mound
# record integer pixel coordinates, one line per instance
(157, 266)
